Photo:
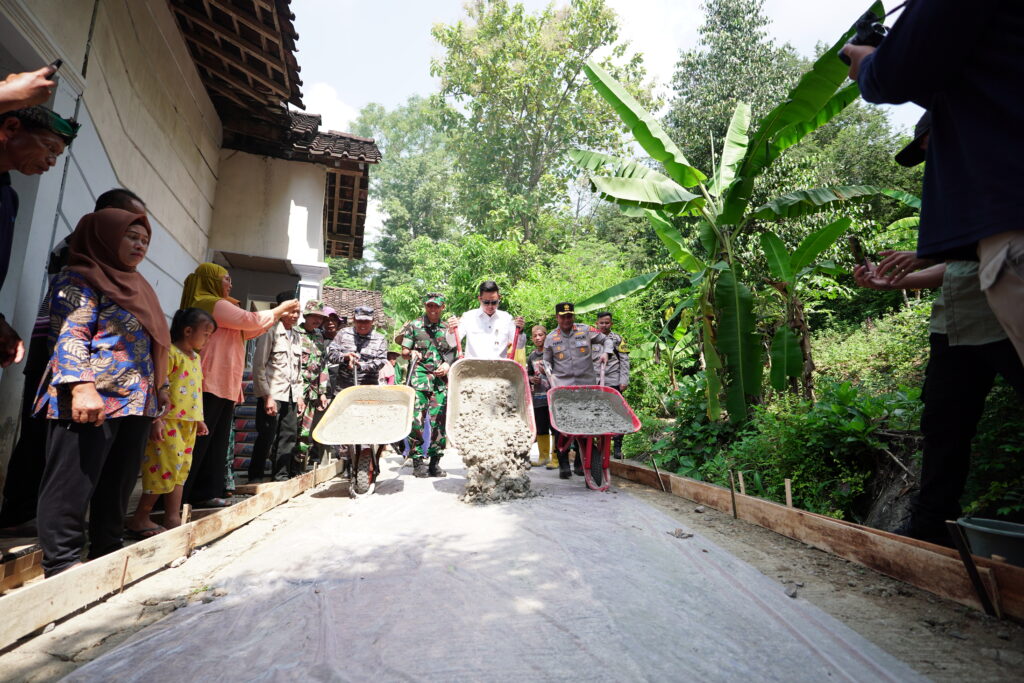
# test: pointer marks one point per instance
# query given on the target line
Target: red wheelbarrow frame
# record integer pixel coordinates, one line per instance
(587, 440)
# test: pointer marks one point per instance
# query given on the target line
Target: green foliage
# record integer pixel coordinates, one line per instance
(521, 101)
(880, 355)
(414, 183)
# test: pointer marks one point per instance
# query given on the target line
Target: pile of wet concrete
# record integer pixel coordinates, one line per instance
(494, 441)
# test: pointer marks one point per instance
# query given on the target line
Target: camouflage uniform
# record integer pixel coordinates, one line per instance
(428, 340)
(315, 384)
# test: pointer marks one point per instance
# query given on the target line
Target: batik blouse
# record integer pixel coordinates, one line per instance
(95, 340)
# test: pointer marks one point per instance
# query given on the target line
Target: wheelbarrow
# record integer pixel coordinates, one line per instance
(501, 370)
(368, 418)
(589, 413)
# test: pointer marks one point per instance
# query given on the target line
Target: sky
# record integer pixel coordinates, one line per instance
(354, 52)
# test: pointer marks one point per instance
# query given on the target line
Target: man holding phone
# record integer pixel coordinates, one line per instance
(29, 88)
(31, 139)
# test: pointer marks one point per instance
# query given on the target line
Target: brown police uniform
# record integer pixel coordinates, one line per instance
(568, 356)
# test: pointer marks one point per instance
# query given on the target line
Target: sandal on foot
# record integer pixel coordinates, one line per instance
(213, 503)
(141, 534)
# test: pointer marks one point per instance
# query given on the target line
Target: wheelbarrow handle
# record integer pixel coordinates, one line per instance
(515, 344)
(414, 360)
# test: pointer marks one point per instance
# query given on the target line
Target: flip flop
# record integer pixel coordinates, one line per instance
(141, 534)
(213, 503)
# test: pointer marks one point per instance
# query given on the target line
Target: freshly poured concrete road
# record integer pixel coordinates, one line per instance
(411, 584)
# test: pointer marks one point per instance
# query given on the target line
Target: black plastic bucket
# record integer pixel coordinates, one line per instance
(988, 537)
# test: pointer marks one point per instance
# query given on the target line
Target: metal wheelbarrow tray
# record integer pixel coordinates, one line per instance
(367, 415)
(587, 412)
(505, 370)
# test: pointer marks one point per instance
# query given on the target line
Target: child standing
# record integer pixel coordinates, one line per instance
(169, 451)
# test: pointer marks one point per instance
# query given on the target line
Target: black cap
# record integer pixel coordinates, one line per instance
(913, 154)
(564, 307)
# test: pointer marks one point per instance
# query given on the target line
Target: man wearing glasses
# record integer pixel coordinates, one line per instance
(488, 332)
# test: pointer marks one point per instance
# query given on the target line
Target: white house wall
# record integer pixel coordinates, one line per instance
(269, 207)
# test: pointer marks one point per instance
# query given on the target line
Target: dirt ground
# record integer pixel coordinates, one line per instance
(940, 639)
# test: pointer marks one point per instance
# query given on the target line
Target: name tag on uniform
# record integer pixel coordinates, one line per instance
(561, 356)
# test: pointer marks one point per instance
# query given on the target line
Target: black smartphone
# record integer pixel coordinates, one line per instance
(56, 64)
(857, 250)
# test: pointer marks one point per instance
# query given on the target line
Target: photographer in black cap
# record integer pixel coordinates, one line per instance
(967, 349)
(965, 65)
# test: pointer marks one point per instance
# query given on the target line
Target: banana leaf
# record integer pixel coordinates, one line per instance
(777, 255)
(733, 149)
(738, 342)
(645, 128)
(620, 168)
(674, 241)
(795, 132)
(787, 358)
(907, 223)
(813, 93)
(647, 193)
(806, 202)
(708, 239)
(905, 197)
(712, 373)
(817, 242)
(617, 292)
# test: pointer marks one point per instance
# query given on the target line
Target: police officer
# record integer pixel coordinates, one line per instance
(567, 358)
(617, 371)
(425, 336)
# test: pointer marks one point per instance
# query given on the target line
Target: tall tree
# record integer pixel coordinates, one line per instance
(520, 100)
(415, 180)
(736, 61)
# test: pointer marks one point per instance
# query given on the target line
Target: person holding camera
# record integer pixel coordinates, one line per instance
(965, 67)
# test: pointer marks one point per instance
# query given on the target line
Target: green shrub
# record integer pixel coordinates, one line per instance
(995, 487)
(880, 355)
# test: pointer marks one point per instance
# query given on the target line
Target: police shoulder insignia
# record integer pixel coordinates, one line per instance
(622, 347)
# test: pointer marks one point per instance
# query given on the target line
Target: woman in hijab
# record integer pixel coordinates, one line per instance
(223, 358)
(106, 381)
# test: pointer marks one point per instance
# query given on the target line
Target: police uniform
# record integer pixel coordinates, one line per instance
(568, 360)
(428, 340)
(616, 375)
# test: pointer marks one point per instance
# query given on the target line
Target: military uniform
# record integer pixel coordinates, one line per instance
(373, 353)
(428, 339)
(315, 382)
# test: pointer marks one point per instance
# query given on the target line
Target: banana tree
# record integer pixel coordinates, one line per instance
(718, 209)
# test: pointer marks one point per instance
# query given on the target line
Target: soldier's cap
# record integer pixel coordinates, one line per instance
(314, 307)
(565, 307)
(434, 298)
(362, 313)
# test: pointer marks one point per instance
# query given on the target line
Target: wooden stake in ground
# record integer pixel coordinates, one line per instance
(789, 493)
(743, 487)
(732, 493)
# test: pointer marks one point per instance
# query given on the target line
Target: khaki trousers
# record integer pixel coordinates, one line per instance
(1001, 272)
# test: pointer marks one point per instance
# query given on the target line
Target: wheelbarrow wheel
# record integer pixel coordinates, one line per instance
(361, 471)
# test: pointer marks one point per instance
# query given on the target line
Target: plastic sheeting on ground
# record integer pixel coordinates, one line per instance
(411, 584)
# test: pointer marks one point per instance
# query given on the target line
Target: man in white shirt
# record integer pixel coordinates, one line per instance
(487, 332)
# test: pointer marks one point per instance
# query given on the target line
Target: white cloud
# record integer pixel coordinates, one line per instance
(659, 30)
(322, 98)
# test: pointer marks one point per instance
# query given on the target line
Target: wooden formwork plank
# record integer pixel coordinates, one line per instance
(927, 566)
(33, 607)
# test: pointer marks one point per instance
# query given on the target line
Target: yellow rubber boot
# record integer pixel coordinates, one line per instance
(553, 462)
(543, 448)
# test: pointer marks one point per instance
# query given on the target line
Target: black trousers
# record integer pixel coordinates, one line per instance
(957, 381)
(209, 456)
(28, 459)
(279, 432)
(87, 469)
